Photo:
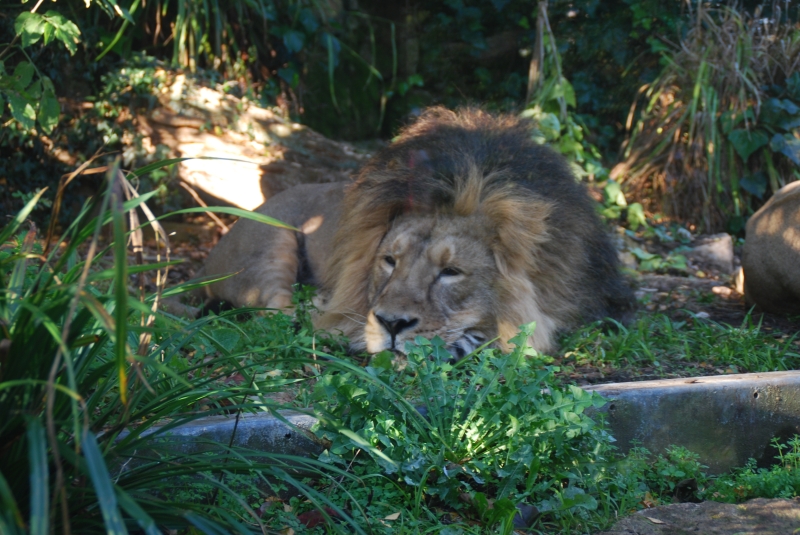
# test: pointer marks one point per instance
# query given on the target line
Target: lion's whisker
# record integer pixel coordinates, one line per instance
(353, 312)
(353, 319)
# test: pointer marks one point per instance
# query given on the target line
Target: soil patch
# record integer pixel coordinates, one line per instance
(755, 517)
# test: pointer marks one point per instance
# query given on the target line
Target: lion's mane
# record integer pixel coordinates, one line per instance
(557, 263)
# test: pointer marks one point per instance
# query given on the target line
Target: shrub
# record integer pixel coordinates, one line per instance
(717, 128)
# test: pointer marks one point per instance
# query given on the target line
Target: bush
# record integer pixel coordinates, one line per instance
(492, 429)
(717, 127)
(87, 374)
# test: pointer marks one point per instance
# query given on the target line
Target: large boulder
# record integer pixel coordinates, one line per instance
(771, 256)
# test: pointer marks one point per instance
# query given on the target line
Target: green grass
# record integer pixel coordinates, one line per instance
(86, 371)
(690, 347)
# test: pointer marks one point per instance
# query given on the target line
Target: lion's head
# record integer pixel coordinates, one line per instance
(465, 228)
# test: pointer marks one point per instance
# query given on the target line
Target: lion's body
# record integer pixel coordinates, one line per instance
(463, 228)
(771, 255)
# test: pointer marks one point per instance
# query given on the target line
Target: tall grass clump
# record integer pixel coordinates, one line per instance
(86, 374)
(716, 131)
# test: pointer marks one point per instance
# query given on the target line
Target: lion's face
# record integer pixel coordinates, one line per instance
(433, 276)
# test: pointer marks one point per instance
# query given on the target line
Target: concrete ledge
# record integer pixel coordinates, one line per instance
(725, 419)
(260, 432)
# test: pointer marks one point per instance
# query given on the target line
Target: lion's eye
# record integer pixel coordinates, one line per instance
(389, 259)
(449, 272)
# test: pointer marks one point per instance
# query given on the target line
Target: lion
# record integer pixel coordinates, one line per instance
(771, 253)
(463, 228)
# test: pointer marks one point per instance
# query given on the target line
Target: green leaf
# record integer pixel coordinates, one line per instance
(636, 216)
(40, 489)
(550, 126)
(746, 143)
(65, 30)
(34, 92)
(227, 338)
(20, 218)
(294, 41)
(21, 110)
(755, 184)
(568, 91)
(30, 27)
(9, 504)
(98, 473)
(49, 109)
(144, 520)
(247, 214)
(613, 194)
(23, 74)
(787, 145)
(49, 33)
(120, 288)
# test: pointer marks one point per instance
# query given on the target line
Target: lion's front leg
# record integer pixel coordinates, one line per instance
(264, 275)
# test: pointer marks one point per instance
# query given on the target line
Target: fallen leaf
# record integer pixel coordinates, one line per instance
(393, 516)
(654, 520)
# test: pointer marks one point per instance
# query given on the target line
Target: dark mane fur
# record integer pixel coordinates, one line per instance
(548, 230)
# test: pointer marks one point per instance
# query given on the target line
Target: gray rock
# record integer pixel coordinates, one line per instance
(715, 251)
(755, 517)
(771, 254)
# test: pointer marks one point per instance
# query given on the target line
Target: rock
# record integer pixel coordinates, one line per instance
(715, 251)
(256, 152)
(755, 517)
(771, 254)
(628, 260)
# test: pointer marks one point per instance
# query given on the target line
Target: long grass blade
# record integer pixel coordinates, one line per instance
(247, 214)
(21, 216)
(106, 497)
(120, 295)
(133, 509)
(9, 504)
(39, 480)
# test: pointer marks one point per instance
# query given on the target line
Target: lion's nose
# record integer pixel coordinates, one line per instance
(395, 325)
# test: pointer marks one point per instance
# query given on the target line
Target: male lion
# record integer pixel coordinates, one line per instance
(464, 228)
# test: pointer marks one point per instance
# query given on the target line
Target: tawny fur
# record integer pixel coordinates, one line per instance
(771, 255)
(472, 186)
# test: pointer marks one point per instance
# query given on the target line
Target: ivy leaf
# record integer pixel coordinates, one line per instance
(294, 41)
(793, 86)
(755, 184)
(49, 109)
(789, 107)
(746, 143)
(636, 217)
(30, 27)
(65, 30)
(21, 110)
(787, 145)
(550, 126)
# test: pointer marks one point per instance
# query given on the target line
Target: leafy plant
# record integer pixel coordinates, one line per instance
(717, 126)
(92, 381)
(30, 94)
(552, 101)
(782, 480)
(492, 428)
